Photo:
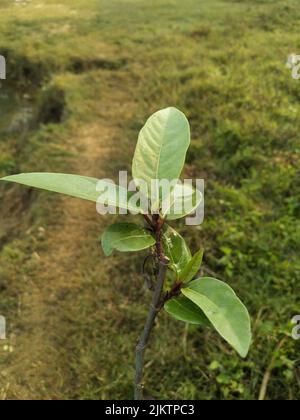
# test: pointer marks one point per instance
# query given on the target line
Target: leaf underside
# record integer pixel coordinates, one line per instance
(77, 186)
(175, 249)
(223, 309)
(161, 148)
(183, 201)
(183, 309)
(192, 267)
(125, 237)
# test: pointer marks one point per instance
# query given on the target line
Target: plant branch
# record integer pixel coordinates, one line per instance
(140, 348)
(149, 278)
(154, 309)
(148, 220)
(173, 292)
(158, 225)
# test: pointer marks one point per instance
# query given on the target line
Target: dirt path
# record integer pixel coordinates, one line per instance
(37, 369)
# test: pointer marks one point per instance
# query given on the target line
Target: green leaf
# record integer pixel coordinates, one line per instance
(183, 200)
(185, 310)
(90, 189)
(224, 310)
(126, 237)
(176, 249)
(161, 148)
(192, 267)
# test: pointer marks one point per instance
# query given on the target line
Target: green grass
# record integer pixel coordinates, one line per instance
(223, 64)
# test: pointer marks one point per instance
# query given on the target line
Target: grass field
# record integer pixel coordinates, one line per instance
(82, 77)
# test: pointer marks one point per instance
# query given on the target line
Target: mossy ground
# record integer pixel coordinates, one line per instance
(74, 317)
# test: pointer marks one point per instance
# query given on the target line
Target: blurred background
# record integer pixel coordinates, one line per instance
(82, 77)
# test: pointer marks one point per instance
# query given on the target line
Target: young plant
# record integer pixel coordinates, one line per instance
(159, 155)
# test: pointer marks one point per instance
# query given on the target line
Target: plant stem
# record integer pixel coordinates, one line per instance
(140, 348)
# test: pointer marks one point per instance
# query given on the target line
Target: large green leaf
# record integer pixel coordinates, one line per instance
(192, 267)
(182, 201)
(183, 309)
(90, 189)
(161, 148)
(224, 310)
(126, 237)
(176, 249)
